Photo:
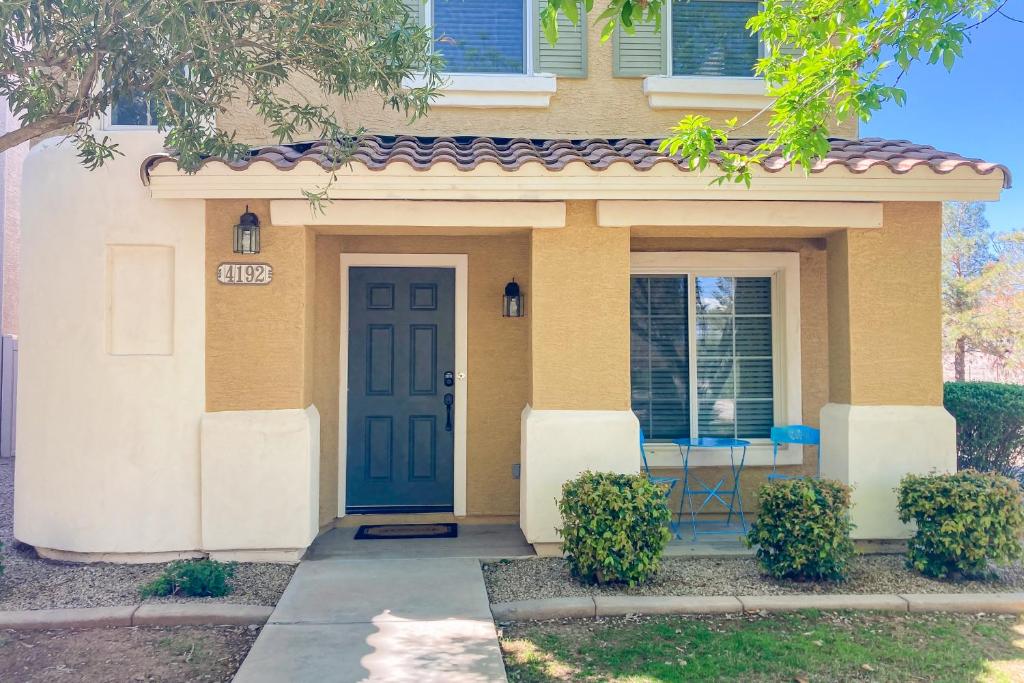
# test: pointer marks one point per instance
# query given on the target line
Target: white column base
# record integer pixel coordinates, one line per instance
(558, 445)
(261, 480)
(872, 447)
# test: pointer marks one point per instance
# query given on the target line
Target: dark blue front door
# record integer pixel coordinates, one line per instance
(401, 363)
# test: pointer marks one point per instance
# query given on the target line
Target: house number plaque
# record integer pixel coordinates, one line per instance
(245, 273)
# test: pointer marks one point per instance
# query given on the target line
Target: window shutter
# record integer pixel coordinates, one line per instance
(640, 54)
(567, 57)
(418, 9)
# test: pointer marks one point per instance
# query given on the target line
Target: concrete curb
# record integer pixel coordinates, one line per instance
(622, 605)
(169, 614)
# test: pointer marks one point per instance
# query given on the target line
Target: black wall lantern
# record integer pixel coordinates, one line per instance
(512, 303)
(247, 233)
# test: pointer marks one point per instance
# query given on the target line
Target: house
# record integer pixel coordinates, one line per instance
(180, 398)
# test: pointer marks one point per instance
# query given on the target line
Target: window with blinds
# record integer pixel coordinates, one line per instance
(710, 38)
(480, 36)
(732, 387)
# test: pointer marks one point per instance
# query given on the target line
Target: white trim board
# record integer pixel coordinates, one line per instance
(460, 262)
(531, 181)
(758, 214)
(784, 269)
(418, 213)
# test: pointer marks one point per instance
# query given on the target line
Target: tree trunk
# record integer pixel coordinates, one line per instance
(960, 360)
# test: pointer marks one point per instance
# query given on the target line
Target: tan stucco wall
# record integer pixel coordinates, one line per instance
(257, 349)
(885, 309)
(580, 310)
(498, 368)
(277, 346)
(598, 106)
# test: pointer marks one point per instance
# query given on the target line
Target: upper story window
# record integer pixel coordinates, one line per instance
(134, 111)
(481, 36)
(710, 38)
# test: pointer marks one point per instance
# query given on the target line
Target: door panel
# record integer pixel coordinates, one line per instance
(400, 443)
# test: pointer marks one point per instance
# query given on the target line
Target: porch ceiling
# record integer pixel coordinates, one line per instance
(404, 167)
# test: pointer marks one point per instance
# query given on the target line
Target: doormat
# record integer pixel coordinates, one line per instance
(380, 532)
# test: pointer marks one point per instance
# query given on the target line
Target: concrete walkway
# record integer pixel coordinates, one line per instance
(346, 619)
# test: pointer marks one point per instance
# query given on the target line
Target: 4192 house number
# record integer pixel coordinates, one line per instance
(244, 273)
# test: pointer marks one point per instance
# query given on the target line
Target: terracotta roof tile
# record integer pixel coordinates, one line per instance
(466, 153)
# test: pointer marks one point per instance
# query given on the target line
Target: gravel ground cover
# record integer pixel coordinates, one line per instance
(29, 582)
(536, 578)
(116, 655)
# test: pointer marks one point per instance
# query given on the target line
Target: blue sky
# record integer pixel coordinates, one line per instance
(976, 110)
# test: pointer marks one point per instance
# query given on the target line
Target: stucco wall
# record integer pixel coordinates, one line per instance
(257, 353)
(598, 106)
(108, 452)
(498, 369)
(10, 219)
(885, 309)
(580, 309)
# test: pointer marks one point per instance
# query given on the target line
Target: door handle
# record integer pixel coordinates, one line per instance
(449, 399)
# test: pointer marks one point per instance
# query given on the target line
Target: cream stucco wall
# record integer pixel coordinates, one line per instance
(108, 457)
(600, 105)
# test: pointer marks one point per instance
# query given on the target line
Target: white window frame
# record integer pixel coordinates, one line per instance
(667, 27)
(529, 6)
(784, 269)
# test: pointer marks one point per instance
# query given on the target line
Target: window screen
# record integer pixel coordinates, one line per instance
(481, 36)
(734, 379)
(710, 38)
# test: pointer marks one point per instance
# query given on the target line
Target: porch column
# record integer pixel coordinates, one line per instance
(260, 434)
(885, 417)
(579, 415)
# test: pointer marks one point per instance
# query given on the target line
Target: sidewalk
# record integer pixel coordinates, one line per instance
(396, 620)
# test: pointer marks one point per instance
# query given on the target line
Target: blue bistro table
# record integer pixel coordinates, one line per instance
(697, 493)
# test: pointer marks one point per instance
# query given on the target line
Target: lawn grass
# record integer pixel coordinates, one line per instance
(809, 646)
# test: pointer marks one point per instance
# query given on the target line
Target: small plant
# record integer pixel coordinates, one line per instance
(989, 426)
(195, 578)
(803, 529)
(964, 521)
(613, 527)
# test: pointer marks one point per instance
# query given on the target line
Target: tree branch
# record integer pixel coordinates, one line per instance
(49, 124)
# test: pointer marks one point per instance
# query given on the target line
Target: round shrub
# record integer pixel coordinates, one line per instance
(803, 529)
(989, 426)
(613, 527)
(964, 521)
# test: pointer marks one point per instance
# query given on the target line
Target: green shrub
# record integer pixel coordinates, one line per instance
(964, 521)
(989, 426)
(803, 529)
(613, 527)
(196, 578)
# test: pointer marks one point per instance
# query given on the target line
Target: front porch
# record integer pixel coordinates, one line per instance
(483, 542)
(826, 326)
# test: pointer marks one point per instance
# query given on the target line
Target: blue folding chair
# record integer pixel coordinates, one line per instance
(801, 435)
(669, 481)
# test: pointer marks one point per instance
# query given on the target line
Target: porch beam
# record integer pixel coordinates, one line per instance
(423, 213)
(765, 214)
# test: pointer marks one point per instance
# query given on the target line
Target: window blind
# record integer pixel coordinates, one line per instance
(710, 38)
(660, 356)
(734, 379)
(480, 36)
